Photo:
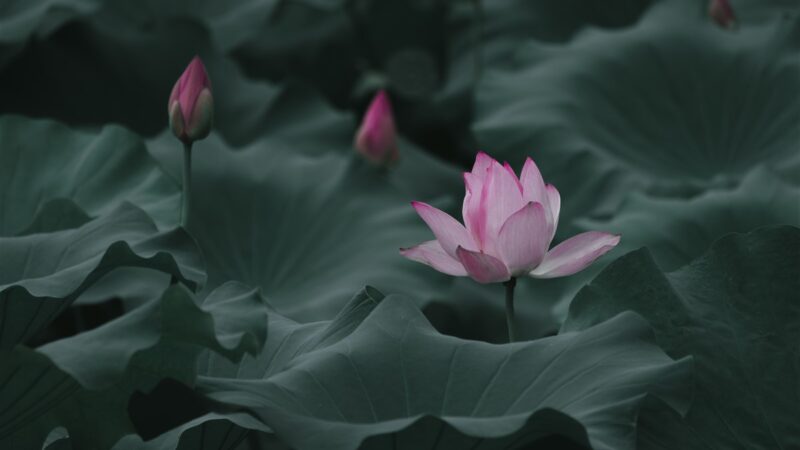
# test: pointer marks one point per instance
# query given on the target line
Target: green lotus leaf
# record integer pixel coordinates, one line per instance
(245, 109)
(286, 339)
(676, 231)
(56, 215)
(42, 274)
(673, 105)
(309, 229)
(211, 431)
(97, 371)
(50, 175)
(393, 378)
(336, 46)
(322, 360)
(424, 52)
(735, 310)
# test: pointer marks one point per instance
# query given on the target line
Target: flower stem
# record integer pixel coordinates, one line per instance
(510, 284)
(187, 183)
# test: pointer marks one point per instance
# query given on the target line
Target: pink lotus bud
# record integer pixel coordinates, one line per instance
(376, 139)
(191, 107)
(722, 13)
(509, 223)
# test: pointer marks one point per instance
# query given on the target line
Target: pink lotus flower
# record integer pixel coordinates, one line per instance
(191, 107)
(722, 13)
(510, 223)
(376, 139)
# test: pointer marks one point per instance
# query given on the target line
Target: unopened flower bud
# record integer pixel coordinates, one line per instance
(376, 139)
(191, 106)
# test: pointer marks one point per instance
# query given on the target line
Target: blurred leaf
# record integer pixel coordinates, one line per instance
(477, 312)
(677, 231)
(209, 432)
(735, 309)
(495, 28)
(229, 23)
(42, 274)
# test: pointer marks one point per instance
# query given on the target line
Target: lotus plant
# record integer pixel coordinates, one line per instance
(191, 112)
(509, 223)
(376, 138)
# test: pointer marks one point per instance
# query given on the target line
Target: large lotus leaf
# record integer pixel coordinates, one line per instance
(346, 349)
(286, 339)
(117, 285)
(294, 117)
(678, 230)
(477, 311)
(96, 372)
(237, 22)
(309, 229)
(736, 310)
(41, 274)
(46, 165)
(209, 432)
(672, 105)
(322, 361)
(395, 380)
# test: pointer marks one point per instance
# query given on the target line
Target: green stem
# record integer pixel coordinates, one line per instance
(510, 284)
(187, 183)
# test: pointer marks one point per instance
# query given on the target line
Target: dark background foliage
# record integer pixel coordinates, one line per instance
(652, 120)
